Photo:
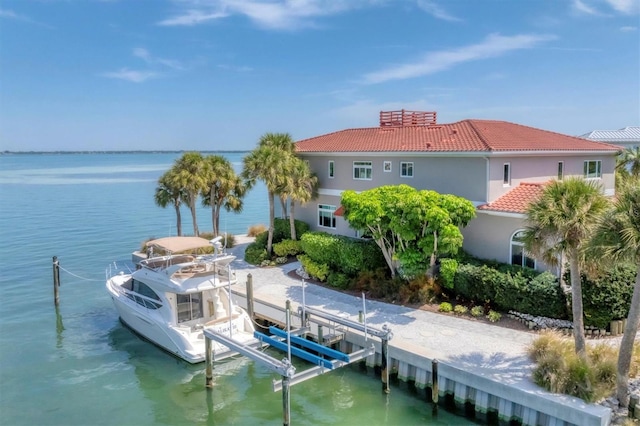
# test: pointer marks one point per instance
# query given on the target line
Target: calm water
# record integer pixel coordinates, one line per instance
(79, 366)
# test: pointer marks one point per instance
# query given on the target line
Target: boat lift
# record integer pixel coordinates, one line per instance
(324, 358)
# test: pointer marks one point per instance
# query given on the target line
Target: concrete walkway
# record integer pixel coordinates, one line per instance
(488, 350)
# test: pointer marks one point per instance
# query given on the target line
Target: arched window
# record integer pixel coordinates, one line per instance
(518, 254)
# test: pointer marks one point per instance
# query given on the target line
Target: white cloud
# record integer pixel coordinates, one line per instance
(431, 63)
(10, 14)
(628, 29)
(432, 8)
(130, 75)
(144, 54)
(627, 7)
(270, 14)
(581, 7)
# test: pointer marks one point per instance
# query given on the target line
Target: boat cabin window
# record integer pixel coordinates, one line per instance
(189, 306)
(144, 290)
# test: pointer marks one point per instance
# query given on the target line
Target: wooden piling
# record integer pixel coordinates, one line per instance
(209, 363)
(384, 374)
(434, 381)
(250, 296)
(56, 281)
(286, 401)
(320, 335)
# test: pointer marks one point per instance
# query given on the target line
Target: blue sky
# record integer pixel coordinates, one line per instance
(217, 74)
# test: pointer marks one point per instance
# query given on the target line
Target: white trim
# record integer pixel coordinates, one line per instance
(506, 166)
(503, 214)
(332, 192)
(412, 169)
(331, 169)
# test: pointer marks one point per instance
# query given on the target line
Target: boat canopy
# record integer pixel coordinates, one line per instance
(178, 244)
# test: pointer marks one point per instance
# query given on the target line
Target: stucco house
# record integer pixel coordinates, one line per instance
(627, 137)
(497, 165)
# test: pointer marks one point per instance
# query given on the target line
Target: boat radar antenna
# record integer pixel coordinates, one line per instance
(217, 245)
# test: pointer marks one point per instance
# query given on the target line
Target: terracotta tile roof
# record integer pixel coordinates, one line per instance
(462, 136)
(517, 200)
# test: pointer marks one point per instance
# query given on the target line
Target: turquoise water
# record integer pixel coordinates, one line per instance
(78, 365)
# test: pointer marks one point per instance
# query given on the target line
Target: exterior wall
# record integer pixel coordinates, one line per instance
(544, 168)
(463, 176)
(489, 237)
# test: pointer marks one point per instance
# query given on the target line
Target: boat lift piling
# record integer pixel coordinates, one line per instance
(325, 358)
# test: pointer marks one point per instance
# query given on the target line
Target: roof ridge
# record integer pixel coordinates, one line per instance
(472, 124)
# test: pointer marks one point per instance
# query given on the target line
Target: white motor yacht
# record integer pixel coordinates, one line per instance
(171, 298)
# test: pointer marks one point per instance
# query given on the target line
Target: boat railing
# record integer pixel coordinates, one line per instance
(115, 268)
(145, 301)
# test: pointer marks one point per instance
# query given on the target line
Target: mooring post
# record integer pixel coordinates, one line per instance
(288, 326)
(250, 295)
(56, 280)
(320, 335)
(384, 374)
(209, 363)
(286, 401)
(434, 381)
(360, 317)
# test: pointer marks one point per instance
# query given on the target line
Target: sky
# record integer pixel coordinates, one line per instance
(217, 74)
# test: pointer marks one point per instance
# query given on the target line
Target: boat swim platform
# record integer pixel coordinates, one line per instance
(486, 393)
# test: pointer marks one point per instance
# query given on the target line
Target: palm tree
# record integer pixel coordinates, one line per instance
(188, 174)
(629, 160)
(561, 221)
(618, 238)
(225, 188)
(167, 194)
(301, 185)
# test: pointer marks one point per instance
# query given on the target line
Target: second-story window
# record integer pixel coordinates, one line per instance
(592, 169)
(560, 170)
(362, 170)
(406, 169)
(506, 174)
(331, 171)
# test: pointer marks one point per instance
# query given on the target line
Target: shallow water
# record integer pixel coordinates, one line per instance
(78, 365)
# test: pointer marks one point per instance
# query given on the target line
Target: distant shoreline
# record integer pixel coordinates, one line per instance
(117, 152)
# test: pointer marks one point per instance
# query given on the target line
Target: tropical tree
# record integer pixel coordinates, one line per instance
(188, 173)
(300, 185)
(266, 162)
(560, 223)
(409, 225)
(617, 238)
(629, 160)
(167, 194)
(224, 188)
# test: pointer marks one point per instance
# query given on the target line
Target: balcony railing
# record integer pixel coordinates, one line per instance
(407, 118)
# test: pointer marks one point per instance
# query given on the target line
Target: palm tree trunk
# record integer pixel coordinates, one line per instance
(576, 304)
(626, 346)
(213, 212)
(292, 221)
(178, 219)
(272, 220)
(192, 207)
(283, 204)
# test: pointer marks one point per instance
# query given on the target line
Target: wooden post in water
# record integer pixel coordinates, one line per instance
(250, 295)
(320, 335)
(384, 374)
(286, 401)
(434, 381)
(209, 363)
(56, 280)
(360, 317)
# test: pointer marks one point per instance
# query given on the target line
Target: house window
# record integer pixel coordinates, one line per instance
(189, 306)
(406, 169)
(506, 174)
(326, 216)
(362, 170)
(331, 169)
(560, 170)
(518, 255)
(592, 169)
(386, 166)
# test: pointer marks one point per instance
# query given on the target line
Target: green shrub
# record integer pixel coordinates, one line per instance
(607, 297)
(445, 307)
(287, 248)
(477, 311)
(448, 268)
(282, 229)
(338, 280)
(314, 269)
(342, 254)
(494, 316)
(255, 254)
(281, 260)
(460, 310)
